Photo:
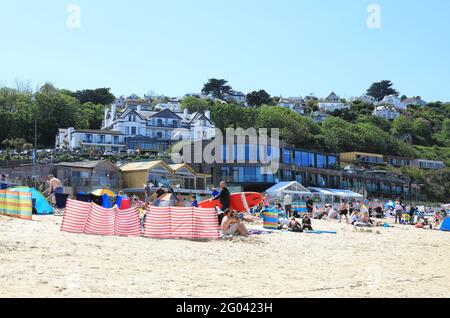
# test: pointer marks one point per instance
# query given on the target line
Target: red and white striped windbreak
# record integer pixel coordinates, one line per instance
(75, 216)
(128, 223)
(161, 223)
(206, 224)
(158, 223)
(101, 221)
(181, 223)
(185, 223)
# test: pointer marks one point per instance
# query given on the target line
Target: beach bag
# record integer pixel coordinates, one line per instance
(125, 204)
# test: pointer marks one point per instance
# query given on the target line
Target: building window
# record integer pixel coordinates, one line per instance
(321, 161)
(287, 157)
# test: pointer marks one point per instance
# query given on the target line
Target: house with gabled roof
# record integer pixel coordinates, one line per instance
(331, 103)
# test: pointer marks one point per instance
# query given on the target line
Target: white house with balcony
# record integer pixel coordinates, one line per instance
(99, 140)
(387, 112)
(394, 101)
(331, 103)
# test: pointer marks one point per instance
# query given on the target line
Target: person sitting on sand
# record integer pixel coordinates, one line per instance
(231, 225)
(333, 214)
(295, 226)
(355, 218)
(307, 223)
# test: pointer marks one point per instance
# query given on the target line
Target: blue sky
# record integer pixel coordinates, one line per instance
(288, 47)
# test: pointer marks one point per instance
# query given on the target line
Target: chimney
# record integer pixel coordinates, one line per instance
(185, 113)
(139, 109)
(106, 115)
(113, 111)
(208, 114)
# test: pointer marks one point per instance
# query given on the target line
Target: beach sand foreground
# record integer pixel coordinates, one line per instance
(37, 260)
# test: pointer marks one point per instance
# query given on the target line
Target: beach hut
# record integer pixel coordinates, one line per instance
(294, 189)
(40, 203)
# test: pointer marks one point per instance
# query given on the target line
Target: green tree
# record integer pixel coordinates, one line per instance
(258, 98)
(294, 129)
(216, 88)
(54, 110)
(381, 89)
(194, 104)
(100, 96)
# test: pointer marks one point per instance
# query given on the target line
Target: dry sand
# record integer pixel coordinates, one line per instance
(37, 260)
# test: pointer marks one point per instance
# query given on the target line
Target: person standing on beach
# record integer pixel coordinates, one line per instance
(224, 198)
(412, 213)
(310, 206)
(55, 186)
(398, 213)
(288, 205)
(343, 211)
(148, 192)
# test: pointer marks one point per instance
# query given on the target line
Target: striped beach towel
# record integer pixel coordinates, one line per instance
(16, 204)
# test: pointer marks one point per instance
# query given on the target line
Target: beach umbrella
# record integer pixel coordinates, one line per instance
(101, 192)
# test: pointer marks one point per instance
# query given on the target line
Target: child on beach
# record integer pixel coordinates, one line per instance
(194, 202)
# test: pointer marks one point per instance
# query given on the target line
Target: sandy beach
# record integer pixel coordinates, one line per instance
(37, 260)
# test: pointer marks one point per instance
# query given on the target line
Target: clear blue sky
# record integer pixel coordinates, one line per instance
(288, 47)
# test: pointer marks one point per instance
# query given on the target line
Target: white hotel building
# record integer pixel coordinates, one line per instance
(134, 126)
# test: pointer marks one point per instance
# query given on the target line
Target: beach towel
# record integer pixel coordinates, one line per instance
(320, 232)
(257, 232)
(16, 204)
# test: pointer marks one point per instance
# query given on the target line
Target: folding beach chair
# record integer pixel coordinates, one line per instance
(61, 200)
